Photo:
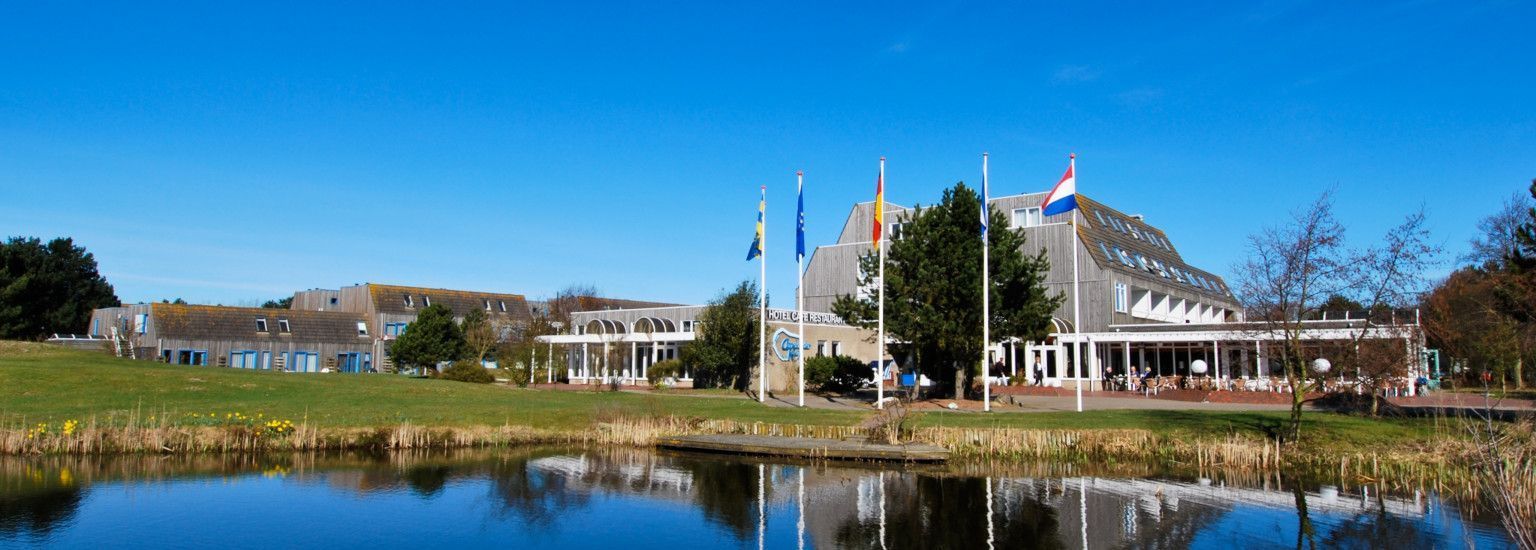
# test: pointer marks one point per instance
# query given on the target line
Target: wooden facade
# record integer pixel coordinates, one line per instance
(256, 338)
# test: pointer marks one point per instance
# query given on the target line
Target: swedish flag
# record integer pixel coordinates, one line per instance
(757, 242)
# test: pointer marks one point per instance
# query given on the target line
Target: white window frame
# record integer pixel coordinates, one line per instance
(261, 324)
(1122, 298)
(283, 326)
(409, 301)
(362, 328)
(1029, 216)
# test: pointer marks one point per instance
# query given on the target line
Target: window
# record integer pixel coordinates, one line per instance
(409, 302)
(821, 348)
(242, 359)
(687, 326)
(1160, 269)
(1121, 297)
(426, 300)
(1027, 217)
(503, 304)
(896, 231)
(261, 324)
(1125, 258)
(362, 328)
(334, 300)
(837, 348)
(1107, 254)
(1100, 216)
(95, 327)
(1134, 233)
(141, 323)
(1143, 261)
(487, 303)
(282, 326)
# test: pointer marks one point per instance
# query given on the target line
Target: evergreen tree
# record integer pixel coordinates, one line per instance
(48, 288)
(725, 351)
(431, 339)
(933, 287)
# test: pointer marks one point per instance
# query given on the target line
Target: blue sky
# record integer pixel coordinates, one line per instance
(235, 152)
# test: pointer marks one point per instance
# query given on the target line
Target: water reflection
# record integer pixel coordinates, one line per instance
(553, 497)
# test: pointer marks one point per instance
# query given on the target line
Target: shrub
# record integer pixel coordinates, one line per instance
(468, 371)
(836, 374)
(663, 370)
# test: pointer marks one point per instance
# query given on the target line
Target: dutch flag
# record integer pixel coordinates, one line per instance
(1063, 198)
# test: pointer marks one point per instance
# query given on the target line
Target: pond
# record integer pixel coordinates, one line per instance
(601, 498)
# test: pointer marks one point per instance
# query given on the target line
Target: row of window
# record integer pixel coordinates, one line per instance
(1126, 227)
(426, 301)
(1137, 260)
(394, 329)
(821, 348)
(282, 325)
(284, 328)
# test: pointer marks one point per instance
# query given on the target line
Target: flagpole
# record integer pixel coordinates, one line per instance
(1077, 350)
(800, 283)
(880, 331)
(762, 307)
(986, 295)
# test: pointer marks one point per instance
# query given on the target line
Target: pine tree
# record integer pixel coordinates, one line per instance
(48, 288)
(431, 339)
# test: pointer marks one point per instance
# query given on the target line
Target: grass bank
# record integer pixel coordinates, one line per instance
(54, 400)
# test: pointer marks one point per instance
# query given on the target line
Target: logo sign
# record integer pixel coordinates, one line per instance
(786, 316)
(786, 346)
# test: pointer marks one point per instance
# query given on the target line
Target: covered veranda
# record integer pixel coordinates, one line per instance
(1235, 356)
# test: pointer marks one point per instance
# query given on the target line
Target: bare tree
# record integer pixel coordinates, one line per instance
(1291, 270)
(1384, 278)
(1497, 239)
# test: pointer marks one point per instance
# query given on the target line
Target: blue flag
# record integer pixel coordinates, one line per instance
(800, 223)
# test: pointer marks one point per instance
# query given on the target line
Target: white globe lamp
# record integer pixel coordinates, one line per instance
(1321, 365)
(1197, 366)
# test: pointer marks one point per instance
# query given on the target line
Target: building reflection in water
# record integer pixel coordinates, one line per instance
(808, 505)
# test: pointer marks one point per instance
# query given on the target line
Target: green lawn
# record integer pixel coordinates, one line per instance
(41, 383)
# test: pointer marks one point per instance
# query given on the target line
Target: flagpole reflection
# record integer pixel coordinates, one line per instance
(800, 525)
(882, 510)
(762, 513)
(990, 538)
(1082, 507)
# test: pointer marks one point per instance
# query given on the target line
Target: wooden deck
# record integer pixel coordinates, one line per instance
(803, 447)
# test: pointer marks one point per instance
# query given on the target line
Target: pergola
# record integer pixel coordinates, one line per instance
(659, 335)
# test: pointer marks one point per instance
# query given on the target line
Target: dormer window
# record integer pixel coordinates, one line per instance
(487, 303)
(409, 302)
(426, 300)
(261, 324)
(362, 328)
(503, 304)
(282, 326)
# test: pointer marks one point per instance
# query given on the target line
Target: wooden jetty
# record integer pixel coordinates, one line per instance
(804, 447)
